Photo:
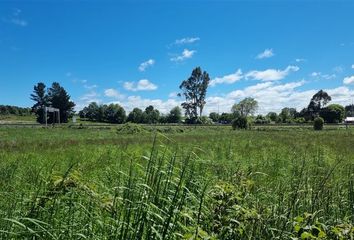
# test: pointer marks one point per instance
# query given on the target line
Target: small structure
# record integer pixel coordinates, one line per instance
(56, 114)
(349, 120)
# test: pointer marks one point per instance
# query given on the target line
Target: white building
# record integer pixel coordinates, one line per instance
(349, 120)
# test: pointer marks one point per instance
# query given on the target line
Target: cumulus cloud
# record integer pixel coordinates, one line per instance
(271, 74)
(271, 96)
(267, 53)
(186, 40)
(141, 85)
(227, 79)
(348, 80)
(323, 76)
(143, 66)
(112, 93)
(164, 106)
(185, 55)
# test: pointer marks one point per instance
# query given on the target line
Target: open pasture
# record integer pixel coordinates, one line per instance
(184, 183)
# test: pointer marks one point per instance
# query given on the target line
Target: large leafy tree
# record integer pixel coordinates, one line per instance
(41, 100)
(194, 90)
(114, 113)
(91, 112)
(318, 101)
(59, 98)
(288, 114)
(333, 113)
(349, 110)
(246, 107)
(272, 116)
(214, 116)
(151, 115)
(175, 115)
(135, 116)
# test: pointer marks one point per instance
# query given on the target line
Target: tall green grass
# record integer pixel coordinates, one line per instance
(202, 184)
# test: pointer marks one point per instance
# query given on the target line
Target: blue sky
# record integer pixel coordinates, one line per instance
(136, 53)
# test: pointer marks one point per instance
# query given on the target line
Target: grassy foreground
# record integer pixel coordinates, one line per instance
(183, 184)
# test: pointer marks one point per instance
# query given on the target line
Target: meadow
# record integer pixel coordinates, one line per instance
(175, 182)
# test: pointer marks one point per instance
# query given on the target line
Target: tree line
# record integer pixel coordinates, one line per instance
(194, 90)
(114, 113)
(14, 110)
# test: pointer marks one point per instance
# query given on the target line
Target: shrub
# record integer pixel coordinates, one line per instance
(240, 123)
(300, 120)
(130, 128)
(318, 123)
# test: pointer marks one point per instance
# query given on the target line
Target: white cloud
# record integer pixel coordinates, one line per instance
(185, 55)
(17, 19)
(271, 74)
(348, 80)
(338, 69)
(141, 85)
(300, 60)
(315, 74)
(353, 66)
(164, 106)
(112, 93)
(89, 86)
(228, 79)
(323, 76)
(267, 53)
(19, 22)
(271, 96)
(187, 40)
(173, 95)
(143, 66)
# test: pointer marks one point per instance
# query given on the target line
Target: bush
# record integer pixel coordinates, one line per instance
(240, 123)
(300, 120)
(318, 123)
(131, 128)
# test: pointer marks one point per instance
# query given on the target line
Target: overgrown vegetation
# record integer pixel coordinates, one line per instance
(207, 183)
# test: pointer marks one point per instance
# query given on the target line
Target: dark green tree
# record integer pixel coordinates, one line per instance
(226, 118)
(114, 113)
(175, 115)
(194, 90)
(135, 116)
(214, 116)
(318, 101)
(333, 113)
(288, 115)
(240, 123)
(41, 101)
(349, 110)
(92, 111)
(272, 116)
(151, 115)
(59, 98)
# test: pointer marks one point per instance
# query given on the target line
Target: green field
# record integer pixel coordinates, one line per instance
(176, 183)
